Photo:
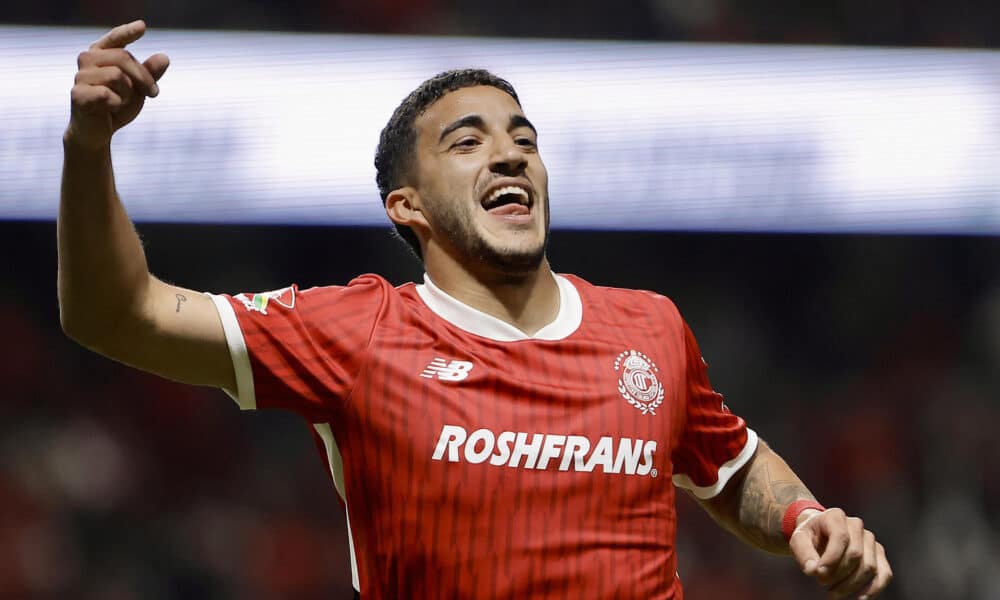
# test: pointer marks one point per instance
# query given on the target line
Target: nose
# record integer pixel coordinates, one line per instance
(508, 158)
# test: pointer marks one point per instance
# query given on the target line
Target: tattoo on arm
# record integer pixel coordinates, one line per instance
(763, 504)
(180, 298)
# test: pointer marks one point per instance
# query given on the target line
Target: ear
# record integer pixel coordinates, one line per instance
(403, 207)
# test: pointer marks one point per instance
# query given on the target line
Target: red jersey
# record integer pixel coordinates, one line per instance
(475, 461)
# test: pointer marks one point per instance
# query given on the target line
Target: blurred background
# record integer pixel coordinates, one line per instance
(869, 360)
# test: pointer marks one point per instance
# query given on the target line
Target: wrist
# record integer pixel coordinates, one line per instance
(75, 142)
(797, 513)
(805, 515)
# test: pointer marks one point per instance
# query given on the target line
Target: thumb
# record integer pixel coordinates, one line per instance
(157, 65)
(804, 551)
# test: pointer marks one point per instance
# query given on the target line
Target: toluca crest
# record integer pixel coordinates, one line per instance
(637, 383)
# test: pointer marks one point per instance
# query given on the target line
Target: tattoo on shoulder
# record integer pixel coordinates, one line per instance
(181, 298)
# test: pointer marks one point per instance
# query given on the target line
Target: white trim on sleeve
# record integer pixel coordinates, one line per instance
(726, 471)
(244, 396)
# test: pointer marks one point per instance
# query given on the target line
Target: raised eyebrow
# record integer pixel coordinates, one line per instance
(517, 121)
(466, 121)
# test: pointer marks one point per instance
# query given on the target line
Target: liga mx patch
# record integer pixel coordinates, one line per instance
(285, 297)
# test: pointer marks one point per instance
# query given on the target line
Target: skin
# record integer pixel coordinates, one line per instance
(108, 300)
(832, 548)
(496, 265)
(111, 303)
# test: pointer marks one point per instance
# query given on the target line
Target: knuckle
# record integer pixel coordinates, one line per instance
(82, 58)
(82, 95)
(121, 77)
(113, 55)
(107, 96)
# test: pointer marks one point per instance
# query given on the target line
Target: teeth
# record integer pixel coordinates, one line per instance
(510, 189)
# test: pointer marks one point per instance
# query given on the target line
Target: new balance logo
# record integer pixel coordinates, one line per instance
(456, 370)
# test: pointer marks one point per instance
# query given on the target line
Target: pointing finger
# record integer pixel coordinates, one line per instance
(121, 36)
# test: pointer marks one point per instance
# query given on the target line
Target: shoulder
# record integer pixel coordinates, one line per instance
(364, 293)
(368, 284)
(623, 298)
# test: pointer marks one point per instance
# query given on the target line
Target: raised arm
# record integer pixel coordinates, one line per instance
(829, 546)
(108, 300)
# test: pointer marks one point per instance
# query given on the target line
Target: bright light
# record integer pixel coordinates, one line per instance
(282, 128)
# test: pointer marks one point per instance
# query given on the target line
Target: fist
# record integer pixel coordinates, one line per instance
(111, 86)
(841, 555)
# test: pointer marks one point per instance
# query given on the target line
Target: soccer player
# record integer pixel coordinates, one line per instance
(498, 431)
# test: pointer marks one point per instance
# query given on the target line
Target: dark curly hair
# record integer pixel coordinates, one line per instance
(395, 154)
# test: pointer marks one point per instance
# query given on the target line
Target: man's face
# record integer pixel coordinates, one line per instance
(482, 184)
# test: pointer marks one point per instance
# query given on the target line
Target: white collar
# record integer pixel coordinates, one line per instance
(475, 321)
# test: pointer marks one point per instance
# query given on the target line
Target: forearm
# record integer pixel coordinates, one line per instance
(753, 504)
(103, 275)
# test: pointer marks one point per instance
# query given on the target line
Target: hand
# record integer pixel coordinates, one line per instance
(111, 86)
(841, 554)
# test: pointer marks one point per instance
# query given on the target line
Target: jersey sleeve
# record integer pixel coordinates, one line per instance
(300, 350)
(715, 443)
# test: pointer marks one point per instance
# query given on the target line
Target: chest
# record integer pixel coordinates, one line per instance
(595, 403)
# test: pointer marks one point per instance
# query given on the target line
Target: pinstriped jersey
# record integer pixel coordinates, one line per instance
(475, 461)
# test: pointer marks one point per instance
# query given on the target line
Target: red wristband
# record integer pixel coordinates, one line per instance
(792, 515)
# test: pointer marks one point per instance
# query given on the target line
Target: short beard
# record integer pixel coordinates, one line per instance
(466, 240)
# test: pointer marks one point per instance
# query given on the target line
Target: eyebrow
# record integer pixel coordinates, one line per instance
(476, 121)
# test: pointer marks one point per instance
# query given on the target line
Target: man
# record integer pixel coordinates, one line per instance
(496, 432)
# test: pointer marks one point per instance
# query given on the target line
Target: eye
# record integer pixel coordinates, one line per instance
(468, 142)
(526, 142)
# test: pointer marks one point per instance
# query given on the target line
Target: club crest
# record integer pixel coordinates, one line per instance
(637, 382)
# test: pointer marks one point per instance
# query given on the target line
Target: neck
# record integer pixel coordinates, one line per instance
(527, 301)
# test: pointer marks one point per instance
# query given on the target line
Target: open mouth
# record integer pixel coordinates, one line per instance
(508, 200)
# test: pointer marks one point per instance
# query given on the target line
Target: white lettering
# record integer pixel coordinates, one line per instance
(452, 436)
(477, 456)
(551, 448)
(522, 449)
(628, 455)
(647, 458)
(569, 452)
(602, 455)
(577, 448)
(504, 440)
